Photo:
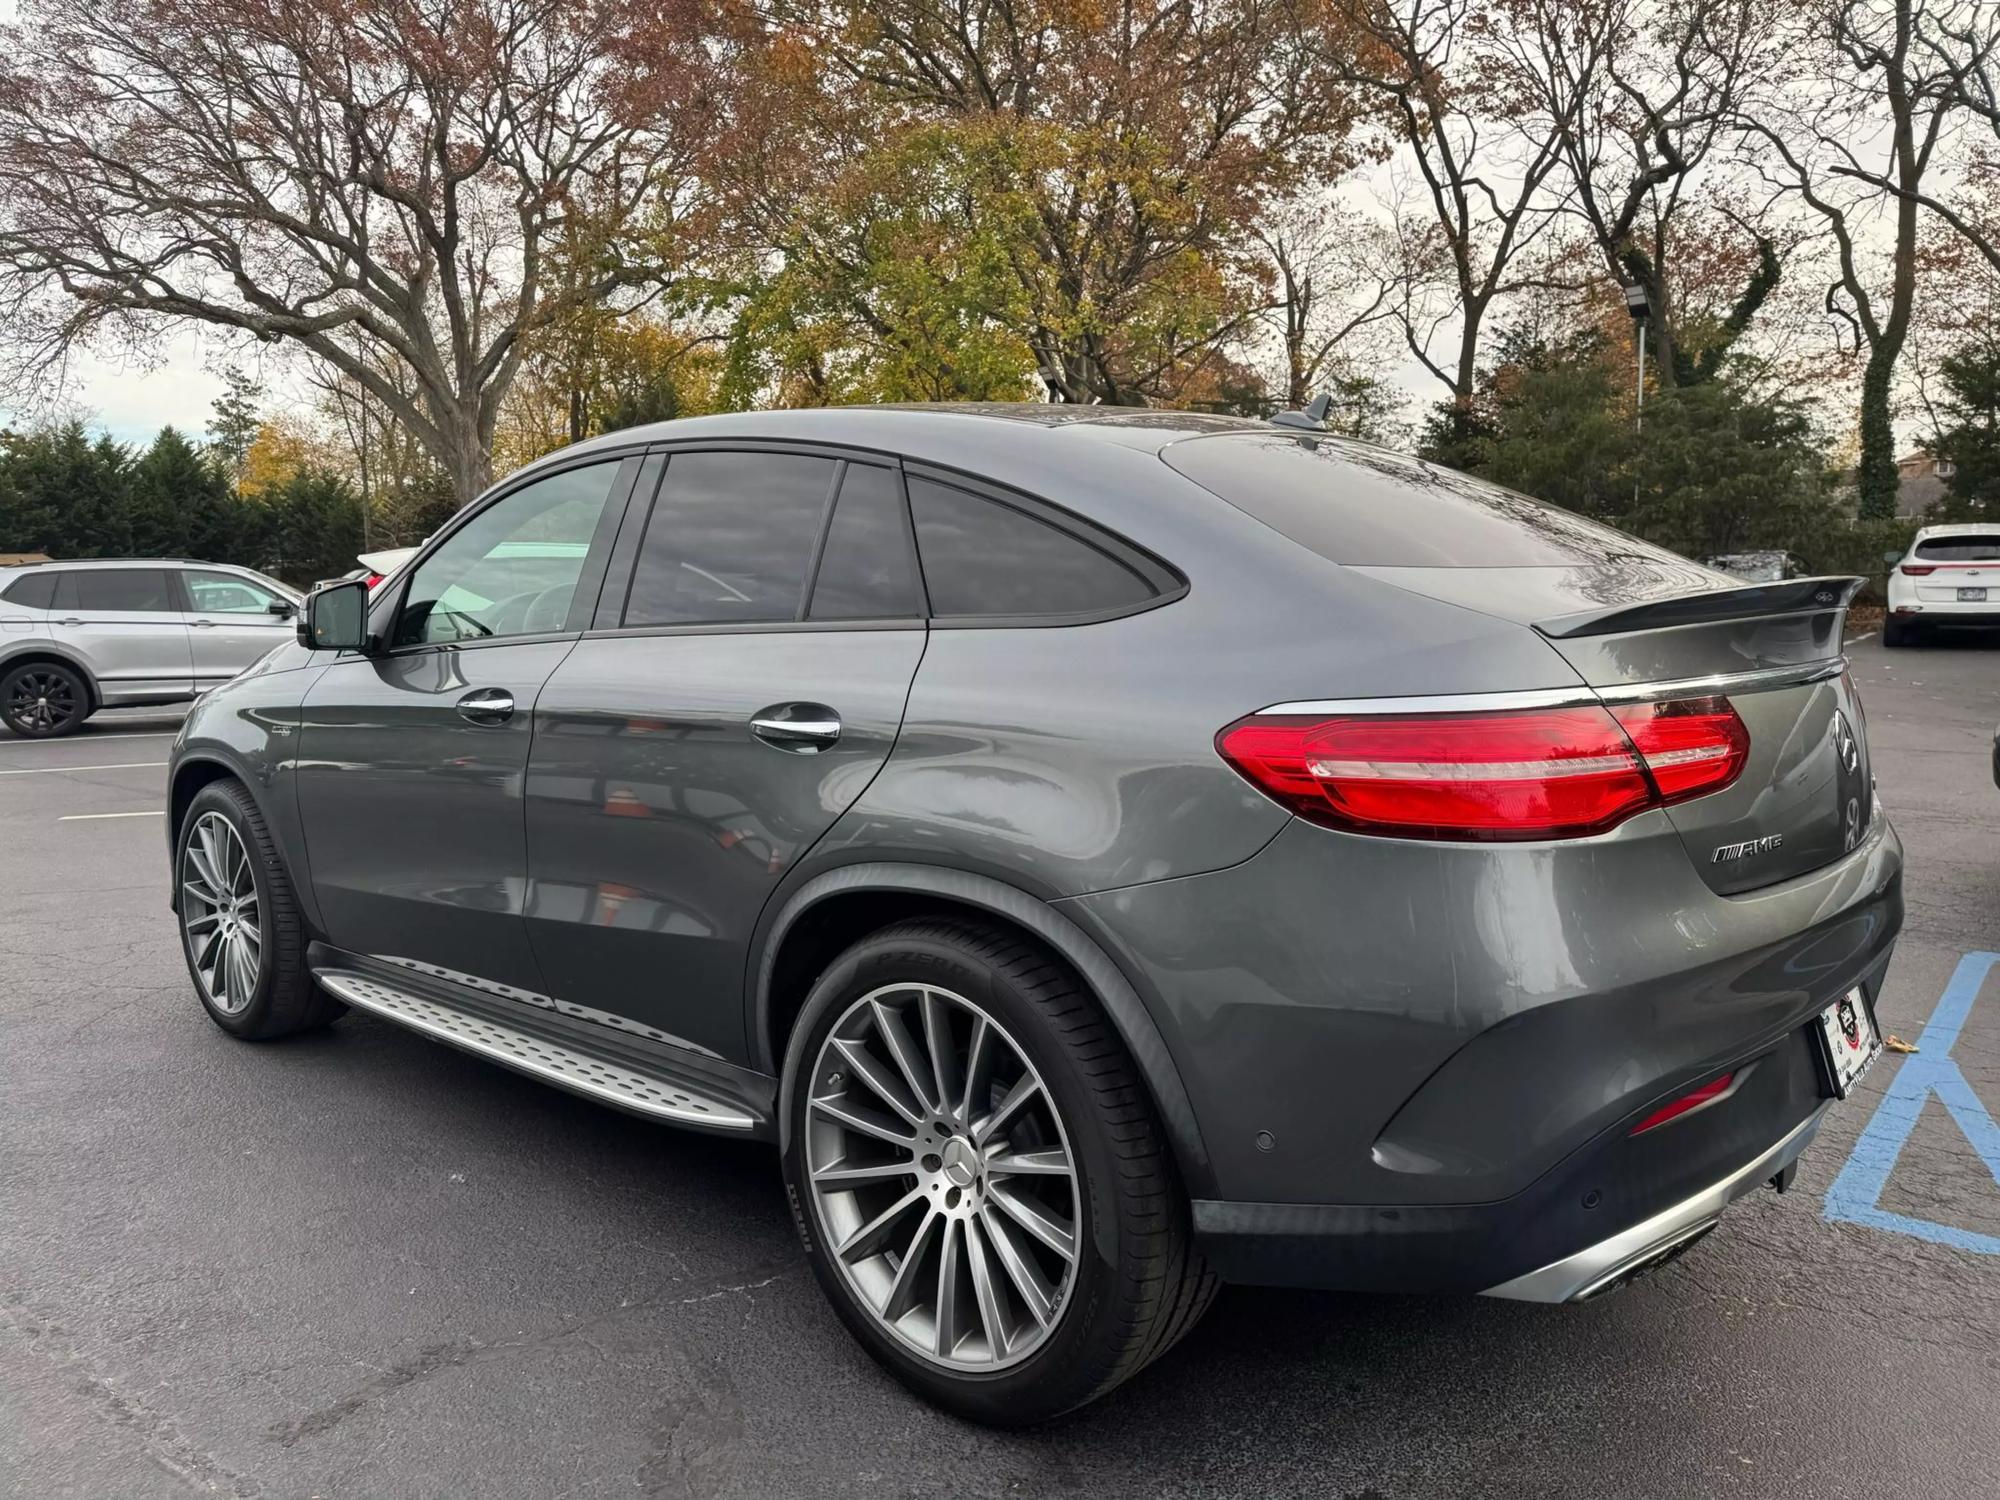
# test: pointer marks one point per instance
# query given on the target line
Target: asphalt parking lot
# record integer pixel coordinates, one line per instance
(360, 1264)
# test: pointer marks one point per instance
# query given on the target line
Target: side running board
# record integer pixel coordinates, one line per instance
(560, 1063)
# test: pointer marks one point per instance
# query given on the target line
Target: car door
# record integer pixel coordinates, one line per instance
(232, 621)
(411, 757)
(738, 694)
(125, 625)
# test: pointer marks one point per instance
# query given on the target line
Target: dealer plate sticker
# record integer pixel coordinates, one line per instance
(1851, 1041)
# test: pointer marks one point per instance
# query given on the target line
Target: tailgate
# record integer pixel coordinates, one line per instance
(1805, 796)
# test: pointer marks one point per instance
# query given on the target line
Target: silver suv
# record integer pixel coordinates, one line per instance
(79, 636)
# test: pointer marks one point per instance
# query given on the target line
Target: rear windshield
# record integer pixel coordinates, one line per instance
(1356, 504)
(1961, 548)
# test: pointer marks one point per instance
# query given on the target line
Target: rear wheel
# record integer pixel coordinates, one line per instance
(241, 930)
(983, 1190)
(43, 700)
(1898, 633)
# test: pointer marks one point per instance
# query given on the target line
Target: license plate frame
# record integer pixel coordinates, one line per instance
(1972, 596)
(1849, 1041)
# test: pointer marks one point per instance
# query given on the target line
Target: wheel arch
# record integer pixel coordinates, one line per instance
(55, 656)
(835, 909)
(190, 774)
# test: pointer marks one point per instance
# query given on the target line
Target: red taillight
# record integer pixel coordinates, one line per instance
(375, 578)
(1688, 1103)
(1920, 570)
(1531, 774)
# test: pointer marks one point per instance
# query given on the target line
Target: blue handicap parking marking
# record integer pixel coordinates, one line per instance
(1856, 1193)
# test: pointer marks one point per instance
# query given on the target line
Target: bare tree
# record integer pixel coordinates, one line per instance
(1482, 147)
(1649, 89)
(306, 170)
(1866, 109)
(1333, 281)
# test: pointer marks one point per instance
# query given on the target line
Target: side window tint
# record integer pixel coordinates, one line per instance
(867, 571)
(985, 558)
(123, 590)
(35, 591)
(512, 569)
(730, 538)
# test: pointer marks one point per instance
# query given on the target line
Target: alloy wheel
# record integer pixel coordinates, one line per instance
(219, 913)
(41, 702)
(943, 1177)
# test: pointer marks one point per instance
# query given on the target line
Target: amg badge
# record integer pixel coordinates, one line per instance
(1749, 847)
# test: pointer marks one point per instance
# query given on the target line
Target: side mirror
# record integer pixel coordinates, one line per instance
(1892, 558)
(336, 618)
(284, 609)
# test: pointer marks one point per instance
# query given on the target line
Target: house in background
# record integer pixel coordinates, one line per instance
(15, 559)
(1920, 482)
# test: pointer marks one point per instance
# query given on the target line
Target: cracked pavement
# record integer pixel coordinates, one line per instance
(359, 1264)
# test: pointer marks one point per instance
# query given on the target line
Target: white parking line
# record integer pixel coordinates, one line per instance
(91, 739)
(1855, 640)
(128, 765)
(93, 817)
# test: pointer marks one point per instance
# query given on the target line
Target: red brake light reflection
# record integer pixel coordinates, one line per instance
(1689, 1102)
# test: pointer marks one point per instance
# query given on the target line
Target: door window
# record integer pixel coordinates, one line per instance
(730, 539)
(985, 558)
(35, 591)
(227, 594)
(124, 591)
(513, 568)
(867, 570)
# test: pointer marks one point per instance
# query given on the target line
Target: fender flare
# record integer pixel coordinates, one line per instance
(1121, 1001)
(62, 654)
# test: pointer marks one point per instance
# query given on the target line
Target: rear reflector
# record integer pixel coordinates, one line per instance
(1688, 1103)
(1505, 775)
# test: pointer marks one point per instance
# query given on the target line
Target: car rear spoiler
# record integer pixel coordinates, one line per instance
(1792, 597)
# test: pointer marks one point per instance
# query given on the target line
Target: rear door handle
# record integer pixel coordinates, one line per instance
(202, 624)
(486, 706)
(72, 620)
(798, 727)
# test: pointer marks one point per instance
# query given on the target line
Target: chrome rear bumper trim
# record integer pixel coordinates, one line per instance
(1593, 1267)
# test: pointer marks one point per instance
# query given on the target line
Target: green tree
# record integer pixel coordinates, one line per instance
(1969, 431)
(236, 423)
(312, 526)
(1560, 429)
(63, 493)
(180, 505)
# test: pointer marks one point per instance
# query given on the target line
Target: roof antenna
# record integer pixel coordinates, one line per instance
(1313, 418)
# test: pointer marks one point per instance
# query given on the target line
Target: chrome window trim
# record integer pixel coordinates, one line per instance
(1579, 696)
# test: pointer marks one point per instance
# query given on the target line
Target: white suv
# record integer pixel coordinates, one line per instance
(106, 633)
(1951, 576)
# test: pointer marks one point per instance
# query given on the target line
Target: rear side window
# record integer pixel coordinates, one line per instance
(1961, 548)
(124, 590)
(1352, 503)
(982, 557)
(35, 591)
(867, 570)
(730, 538)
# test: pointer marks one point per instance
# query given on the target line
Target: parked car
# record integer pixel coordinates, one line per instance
(1950, 576)
(374, 566)
(110, 633)
(1106, 853)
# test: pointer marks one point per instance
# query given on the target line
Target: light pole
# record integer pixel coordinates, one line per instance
(1640, 309)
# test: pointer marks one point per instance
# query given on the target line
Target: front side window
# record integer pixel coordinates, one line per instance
(227, 594)
(730, 538)
(982, 557)
(129, 591)
(513, 568)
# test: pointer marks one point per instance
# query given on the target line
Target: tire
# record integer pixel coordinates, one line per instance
(230, 884)
(1133, 1284)
(43, 700)
(1896, 633)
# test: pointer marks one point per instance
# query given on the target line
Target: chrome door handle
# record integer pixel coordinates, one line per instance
(486, 706)
(801, 734)
(72, 620)
(202, 624)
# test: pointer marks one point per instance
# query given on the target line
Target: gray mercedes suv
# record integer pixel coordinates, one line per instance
(1108, 853)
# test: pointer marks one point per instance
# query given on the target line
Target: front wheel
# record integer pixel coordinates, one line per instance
(241, 929)
(981, 1184)
(43, 700)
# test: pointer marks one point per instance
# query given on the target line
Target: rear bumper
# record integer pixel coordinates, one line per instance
(1603, 1265)
(1610, 1208)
